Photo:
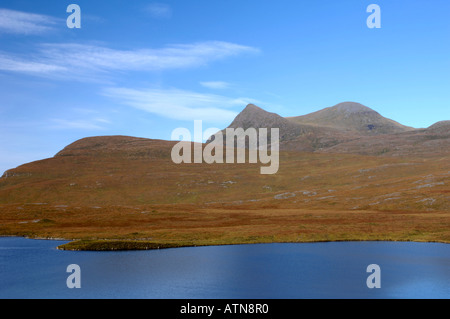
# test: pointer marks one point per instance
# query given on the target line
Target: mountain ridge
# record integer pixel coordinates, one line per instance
(352, 116)
(295, 135)
(347, 127)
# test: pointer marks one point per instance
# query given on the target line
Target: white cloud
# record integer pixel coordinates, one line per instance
(88, 61)
(217, 85)
(180, 104)
(170, 57)
(18, 64)
(18, 22)
(83, 124)
(159, 10)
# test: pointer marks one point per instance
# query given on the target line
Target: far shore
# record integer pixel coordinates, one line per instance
(138, 245)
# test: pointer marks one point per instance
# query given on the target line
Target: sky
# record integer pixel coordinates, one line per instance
(143, 68)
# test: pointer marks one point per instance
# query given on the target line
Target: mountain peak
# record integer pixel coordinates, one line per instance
(252, 107)
(352, 107)
(254, 116)
(352, 116)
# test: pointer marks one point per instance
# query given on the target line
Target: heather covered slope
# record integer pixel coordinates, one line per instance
(128, 188)
(429, 142)
(133, 171)
(135, 193)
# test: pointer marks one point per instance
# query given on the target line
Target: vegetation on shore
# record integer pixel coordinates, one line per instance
(125, 245)
(122, 228)
(112, 245)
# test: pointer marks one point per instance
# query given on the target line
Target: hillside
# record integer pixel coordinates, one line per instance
(351, 116)
(140, 194)
(123, 170)
(442, 127)
(127, 188)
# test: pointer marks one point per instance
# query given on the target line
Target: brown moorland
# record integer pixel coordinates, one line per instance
(119, 192)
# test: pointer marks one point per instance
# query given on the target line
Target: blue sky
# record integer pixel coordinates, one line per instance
(144, 68)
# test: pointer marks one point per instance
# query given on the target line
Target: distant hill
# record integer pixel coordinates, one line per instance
(348, 127)
(440, 127)
(352, 116)
(114, 145)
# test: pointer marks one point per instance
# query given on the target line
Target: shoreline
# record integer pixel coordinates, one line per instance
(139, 245)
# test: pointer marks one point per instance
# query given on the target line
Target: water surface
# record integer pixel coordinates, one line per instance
(36, 269)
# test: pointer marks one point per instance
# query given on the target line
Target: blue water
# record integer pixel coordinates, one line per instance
(36, 269)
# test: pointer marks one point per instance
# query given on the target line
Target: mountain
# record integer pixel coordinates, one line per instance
(329, 186)
(351, 116)
(348, 127)
(293, 135)
(255, 117)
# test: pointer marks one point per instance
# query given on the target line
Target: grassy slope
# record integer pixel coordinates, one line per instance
(140, 200)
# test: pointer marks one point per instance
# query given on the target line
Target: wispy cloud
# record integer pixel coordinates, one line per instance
(171, 57)
(81, 124)
(179, 104)
(78, 60)
(159, 10)
(22, 65)
(216, 85)
(18, 22)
